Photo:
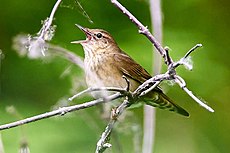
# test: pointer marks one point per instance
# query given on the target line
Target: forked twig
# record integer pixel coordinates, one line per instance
(103, 142)
(164, 53)
(142, 29)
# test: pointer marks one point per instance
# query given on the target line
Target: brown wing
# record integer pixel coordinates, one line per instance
(130, 68)
(133, 70)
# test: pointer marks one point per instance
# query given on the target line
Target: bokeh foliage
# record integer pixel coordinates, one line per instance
(34, 86)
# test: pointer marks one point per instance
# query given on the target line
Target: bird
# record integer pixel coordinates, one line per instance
(105, 65)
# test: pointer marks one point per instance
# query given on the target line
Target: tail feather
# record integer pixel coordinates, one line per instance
(160, 100)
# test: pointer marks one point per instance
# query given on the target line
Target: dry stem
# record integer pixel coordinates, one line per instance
(60, 111)
(171, 73)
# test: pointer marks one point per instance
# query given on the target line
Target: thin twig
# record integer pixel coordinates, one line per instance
(180, 81)
(150, 89)
(181, 61)
(127, 82)
(103, 142)
(91, 89)
(150, 84)
(192, 49)
(142, 29)
(130, 97)
(144, 88)
(50, 20)
(60, 111)
(168, 60)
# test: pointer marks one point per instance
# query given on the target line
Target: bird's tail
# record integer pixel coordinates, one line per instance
(160, 100)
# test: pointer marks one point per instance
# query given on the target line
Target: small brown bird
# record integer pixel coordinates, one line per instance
(105, 64)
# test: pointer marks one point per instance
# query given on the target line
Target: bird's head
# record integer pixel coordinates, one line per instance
(96, 40)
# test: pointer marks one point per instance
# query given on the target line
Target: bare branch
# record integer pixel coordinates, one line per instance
(143, 89)
(21, 41)
(192, 49)
(60, 111)
(46, 26)
(171, 73)
(142, 29)
(122, 91)
(46, 33)
(127, 81)
(156, 83)
(182, 60)
(168, 59)
(103, 142)
(180, 81)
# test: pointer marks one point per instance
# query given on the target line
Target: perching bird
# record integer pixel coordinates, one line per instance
(105, 64)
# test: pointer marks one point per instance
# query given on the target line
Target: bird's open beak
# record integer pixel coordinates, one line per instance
(87, 33)
(85, 30)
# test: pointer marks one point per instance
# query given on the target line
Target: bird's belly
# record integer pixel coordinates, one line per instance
(111, 78)
(103, 79)
(99, 74)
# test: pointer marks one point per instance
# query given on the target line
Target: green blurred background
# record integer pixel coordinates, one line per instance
(34, 86)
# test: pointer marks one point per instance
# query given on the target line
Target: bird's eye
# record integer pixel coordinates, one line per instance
(99, 35)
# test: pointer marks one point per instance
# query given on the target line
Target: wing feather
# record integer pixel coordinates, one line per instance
(130, 68)
(133, 70)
